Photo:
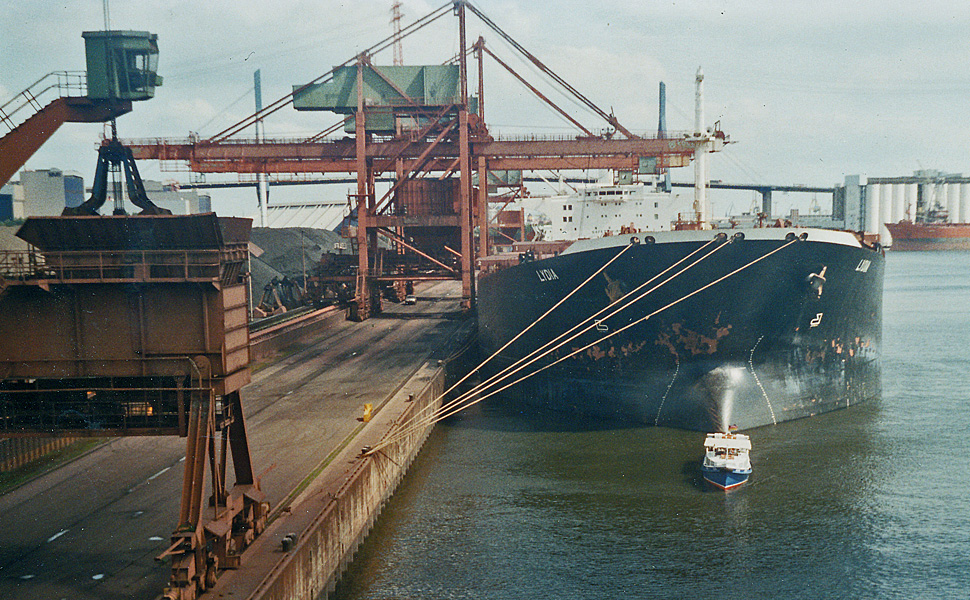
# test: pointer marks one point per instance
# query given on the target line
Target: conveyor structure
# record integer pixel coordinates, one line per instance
(138, 325)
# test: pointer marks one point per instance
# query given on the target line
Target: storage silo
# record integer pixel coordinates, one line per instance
(909, 201)
(952, 202)
(873, 207)
(899, 203)
(964, 214)
(885, 211)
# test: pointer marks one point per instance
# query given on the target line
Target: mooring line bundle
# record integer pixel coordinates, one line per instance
(571, 334)
(419, 421)
(466, 400)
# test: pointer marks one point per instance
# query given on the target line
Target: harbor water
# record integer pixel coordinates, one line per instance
(867, 502)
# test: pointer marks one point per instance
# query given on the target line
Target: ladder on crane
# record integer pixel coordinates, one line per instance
(56, 98)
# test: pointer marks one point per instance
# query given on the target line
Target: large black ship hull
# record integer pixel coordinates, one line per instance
(759, 347)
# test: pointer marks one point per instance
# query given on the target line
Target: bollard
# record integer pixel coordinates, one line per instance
(368, 408)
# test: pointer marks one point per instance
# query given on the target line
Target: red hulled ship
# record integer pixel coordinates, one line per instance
(908, 235)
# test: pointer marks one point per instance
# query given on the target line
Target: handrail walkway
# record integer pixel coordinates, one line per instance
(32, 116)
(61, 84)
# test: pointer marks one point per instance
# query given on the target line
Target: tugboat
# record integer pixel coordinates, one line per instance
(726, 463)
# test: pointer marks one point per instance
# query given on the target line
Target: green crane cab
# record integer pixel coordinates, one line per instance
(121, 65)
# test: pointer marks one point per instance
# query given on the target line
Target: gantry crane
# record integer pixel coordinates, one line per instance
(421, 124)
(138, 323)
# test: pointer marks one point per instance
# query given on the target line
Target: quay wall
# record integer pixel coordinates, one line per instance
(342, 504)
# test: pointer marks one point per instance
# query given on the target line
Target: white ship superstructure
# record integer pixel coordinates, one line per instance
(597, 210)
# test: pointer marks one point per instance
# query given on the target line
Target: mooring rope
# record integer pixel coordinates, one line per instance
(545, 350)
(620, 304)
(452, 407)
(544, 315)
(414, 420)
(641, 320)
(440, 415)
(422, 420)
(616, 307)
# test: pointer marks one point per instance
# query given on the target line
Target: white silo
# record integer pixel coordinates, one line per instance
(964, 213)
(909, 201)
(873, 207)
(929, 193)
(897, 212)
(953, 201)
(885, 209)
(932, 195)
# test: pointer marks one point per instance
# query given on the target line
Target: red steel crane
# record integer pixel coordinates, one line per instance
(422, 137)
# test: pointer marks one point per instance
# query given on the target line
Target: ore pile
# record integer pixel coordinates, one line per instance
(9, 239)
(287, 252)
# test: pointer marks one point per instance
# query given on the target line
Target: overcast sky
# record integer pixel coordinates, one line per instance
(808, 91)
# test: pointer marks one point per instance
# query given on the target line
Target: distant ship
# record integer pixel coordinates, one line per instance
(930, 232)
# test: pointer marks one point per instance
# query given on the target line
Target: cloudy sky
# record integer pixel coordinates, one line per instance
(809, 91)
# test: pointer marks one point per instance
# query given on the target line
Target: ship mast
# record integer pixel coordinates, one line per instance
(700, 155)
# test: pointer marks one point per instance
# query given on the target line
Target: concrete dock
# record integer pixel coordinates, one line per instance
(91, 528)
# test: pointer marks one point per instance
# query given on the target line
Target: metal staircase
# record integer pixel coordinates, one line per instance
(32, 116)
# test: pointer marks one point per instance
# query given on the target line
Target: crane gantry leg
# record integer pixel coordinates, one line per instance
(207, 540)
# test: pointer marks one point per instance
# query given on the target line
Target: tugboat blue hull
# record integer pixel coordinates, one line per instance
(723, 479)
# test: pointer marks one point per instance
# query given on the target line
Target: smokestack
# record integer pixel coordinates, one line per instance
(662, 123)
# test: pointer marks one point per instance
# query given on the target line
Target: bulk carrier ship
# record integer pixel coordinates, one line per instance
(709, 330)
(700, 330)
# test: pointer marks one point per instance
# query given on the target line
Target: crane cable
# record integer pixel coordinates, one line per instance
(329, 75)
(609, 118)
(452, 407)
